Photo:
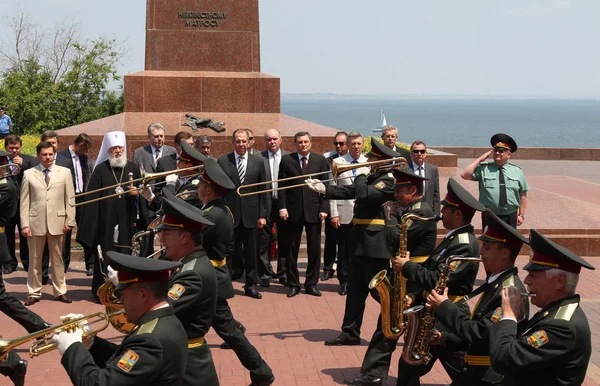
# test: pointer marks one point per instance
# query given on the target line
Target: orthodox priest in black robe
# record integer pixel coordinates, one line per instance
(100, 218)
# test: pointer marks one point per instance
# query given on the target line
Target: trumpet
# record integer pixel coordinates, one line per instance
(8, 170)
(144, 180)
(44, 342)
(336, 170)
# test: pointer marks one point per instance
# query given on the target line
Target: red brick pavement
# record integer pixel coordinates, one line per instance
(289, 333)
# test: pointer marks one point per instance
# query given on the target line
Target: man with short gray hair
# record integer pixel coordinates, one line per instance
(389, 135)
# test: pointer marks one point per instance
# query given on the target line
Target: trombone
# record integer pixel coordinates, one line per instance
(45, 344)
(336, 170)
(146, 177)
(8, 170)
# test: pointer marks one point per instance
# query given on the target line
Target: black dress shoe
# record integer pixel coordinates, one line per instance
(63, 298)
(293, 291)
(343, 289)
(264, 382)
(343, 340)
(365, 380)
(89, 272)
(252, 292)
(265, 283)
(31, 301)
(18, 374)
(312, 290)
(326, 275)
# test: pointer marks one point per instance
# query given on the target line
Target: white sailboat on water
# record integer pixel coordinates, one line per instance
(383, 123)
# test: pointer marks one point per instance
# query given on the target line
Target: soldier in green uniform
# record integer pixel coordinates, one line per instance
(152, 354)
(218, 243)
(421, 238)
(458, 210)
(193, 288)
(500, 246)
(554, 346)
(502, 185)
(370, 249)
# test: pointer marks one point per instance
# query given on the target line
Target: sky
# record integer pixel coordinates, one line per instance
(467, 47)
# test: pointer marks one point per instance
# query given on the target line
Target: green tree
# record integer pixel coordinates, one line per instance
(56, 80)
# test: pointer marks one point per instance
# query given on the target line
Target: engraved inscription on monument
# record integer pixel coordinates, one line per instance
(202, 19)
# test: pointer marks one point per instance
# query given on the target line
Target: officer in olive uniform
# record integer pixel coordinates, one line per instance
(12, 366)
(218, 243)
(152, 354)
(421, 238)
(370, 251)
(500, 246)
(458, 210)
(554, 347)
(192, 288)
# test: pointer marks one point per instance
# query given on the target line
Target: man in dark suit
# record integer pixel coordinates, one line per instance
(75, 158)
(13, 144)
(272, 157)
(146, 158)
(389, 135)
(418, 153)
(303, 208)
(249, 213)
(203, 143)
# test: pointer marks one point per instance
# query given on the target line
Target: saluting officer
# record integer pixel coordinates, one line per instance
(218, 243)
(458, 210)
(152, 354)
(554, 347)
(370, 251)
(193, 288)
(500, 246)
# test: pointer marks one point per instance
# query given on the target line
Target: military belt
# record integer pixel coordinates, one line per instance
(196, 342)
(219, 263)
(419, 259)
(368, 221)
(478, 360)
(2, 229)
(454, 298)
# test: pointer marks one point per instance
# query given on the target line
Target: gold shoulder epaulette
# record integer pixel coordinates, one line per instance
(566, 312)
(509, 282)
(147, 327)
(463, 238)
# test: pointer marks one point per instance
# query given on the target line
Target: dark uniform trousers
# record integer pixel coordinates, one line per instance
(265, 244)
(510, 219)
(330, 250)
(313, 240)
(246, 240)
(460, 282)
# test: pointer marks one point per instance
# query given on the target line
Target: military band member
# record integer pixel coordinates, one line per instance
(421, 238)
(218, 243)
(152, 354)
(554, 347)
(192, 288)
(370, 250)
(458, 210)
(500, 246)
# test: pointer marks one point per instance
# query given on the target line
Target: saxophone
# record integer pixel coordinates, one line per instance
(392, 296)
(421, 321)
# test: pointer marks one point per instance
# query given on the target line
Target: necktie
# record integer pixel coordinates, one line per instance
(156, 156)
(422, 174)
(47, 176)
(354, 170)
(241, 169)
(78, 175)
(274, 172)
(304, 164)
(503, 200)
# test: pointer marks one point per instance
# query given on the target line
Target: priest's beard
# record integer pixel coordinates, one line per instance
(117, 162)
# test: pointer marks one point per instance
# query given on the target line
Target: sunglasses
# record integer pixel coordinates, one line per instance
(419, 151)
(339, 143)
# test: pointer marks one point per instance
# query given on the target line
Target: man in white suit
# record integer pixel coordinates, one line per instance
(45, 217)
(342, 211)
(431, 188)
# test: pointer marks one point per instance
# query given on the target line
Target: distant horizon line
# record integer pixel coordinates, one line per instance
(324, 95)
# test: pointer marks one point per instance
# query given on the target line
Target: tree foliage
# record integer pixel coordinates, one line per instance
(50, 81)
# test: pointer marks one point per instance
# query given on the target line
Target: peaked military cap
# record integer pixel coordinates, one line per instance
(459, 197)
(407, 177)
(191, 155)
(4, 153)
(181, 215)
(497, 231)
(547, 254)
(214, 175)
(135, 269)
(504, 141)
(379, 150)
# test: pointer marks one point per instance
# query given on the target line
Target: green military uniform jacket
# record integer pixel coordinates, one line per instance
(554, 347)
(486, 174)
(8, 199)
(189, 189)
(368, 235)
(218, 243)
(153, 354)
(472, 332)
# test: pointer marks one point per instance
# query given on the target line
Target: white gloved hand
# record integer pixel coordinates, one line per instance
(113, 276)
(171, 179)
(68, 317)
(66, 339)
(147, 193)
(315, 185)
(363, 170)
